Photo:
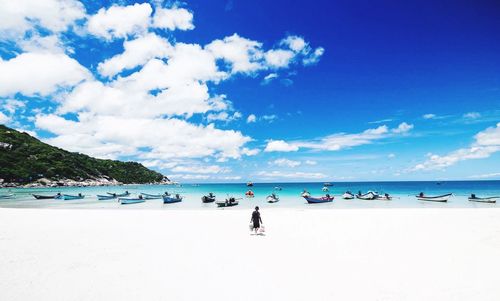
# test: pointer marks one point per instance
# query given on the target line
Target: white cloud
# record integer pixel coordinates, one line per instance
(120, 21)
(251, 118)
(173, 18)
(391, 156)
(200, 169)
(269, 118)
(224, 116)
(137, 52)
(280, 146)
(188, 177)
(311, 162)
(284, 162)
(486, 176)
(292, 175)
(39, 73)
(18, 17)
(339, 141)
(269, 78)
(403, 128)
(278, 58)
(314, 57)
(12, 105)
(472, 115)
(485, 144)
(4, 118)
(429, 116)
(295, 43)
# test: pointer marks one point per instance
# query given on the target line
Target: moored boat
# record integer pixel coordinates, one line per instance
(249, 184)
(46, 197)
(69, 197)
(228, 202)
(6, 196)
(210, 198)
(101, 197)
(348, 195)
(491, 199)
(324, 199)
(327, 184)
(126, 193)
(370, 195)
(272, 198)
(168, 199)
(249, 194)
(439, 198)
(325, 189)
(128, 201)
(148, 196)
(385, 197)
(305, 193)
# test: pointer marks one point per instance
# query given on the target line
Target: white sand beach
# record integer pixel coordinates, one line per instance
(351, 254)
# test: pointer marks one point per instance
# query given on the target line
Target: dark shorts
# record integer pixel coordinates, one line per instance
(256, 224)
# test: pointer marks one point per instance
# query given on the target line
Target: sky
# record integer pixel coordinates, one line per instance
(263, 91)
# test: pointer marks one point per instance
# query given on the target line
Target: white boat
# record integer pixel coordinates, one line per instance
(325, 189)
(491, 199)
(384, 197)
(370, 195)
(348, 195)
(272, 198)
(439, 198)
(305, 194)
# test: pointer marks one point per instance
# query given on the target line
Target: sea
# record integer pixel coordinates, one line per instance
(289, 193)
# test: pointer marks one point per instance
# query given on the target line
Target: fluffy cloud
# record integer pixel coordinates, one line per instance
(292, 175)
(39, 73)
(200, 169)
(278, 58)
(285, 163)
(472, 115)
(120, 21)
(18, 17)
(485, 144)
(340, 141)
(269, 78)
(251, 118)
(115, 136)
(136, 53)
(173, 18)
(4, 118)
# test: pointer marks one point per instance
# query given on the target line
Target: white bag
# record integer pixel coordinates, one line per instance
(251, 226)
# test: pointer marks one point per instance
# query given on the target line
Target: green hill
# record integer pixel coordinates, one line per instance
(24, 159)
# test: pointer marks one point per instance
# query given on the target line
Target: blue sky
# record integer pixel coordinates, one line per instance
(230, 91)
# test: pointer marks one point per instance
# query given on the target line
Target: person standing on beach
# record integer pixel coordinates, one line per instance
(256, 220)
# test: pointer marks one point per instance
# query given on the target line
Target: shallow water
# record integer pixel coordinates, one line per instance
(403, 193)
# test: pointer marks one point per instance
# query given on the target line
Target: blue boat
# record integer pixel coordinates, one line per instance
(148, 196)
(128, 201)
(325, 199)
(168, 199)
(126, 193)
(68, 197)
(6, 196)
(101, 197)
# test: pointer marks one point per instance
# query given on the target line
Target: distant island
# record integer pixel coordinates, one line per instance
(26, 161)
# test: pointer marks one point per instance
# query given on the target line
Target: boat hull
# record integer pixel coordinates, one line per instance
(207, 199)
(6, 196)
(171, 200)
(347, 196)
(45, 197)
(118, 195)
(312, 200)
(105, 197)
(224, 204)
(367, 196)
(440, 198)
(271, 199)
(68, 197)
(130, 201)
(484, 200)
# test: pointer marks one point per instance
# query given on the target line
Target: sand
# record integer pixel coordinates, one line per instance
(350, 254)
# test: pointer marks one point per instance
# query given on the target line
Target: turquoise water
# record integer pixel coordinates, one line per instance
(403, 193)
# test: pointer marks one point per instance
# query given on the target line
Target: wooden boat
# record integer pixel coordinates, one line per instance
(348, 195)
(210, 198)
(69, 197)
(324, 199)
(6, 196)
(46, 197)
(148, 196)
(370, 195)
(439, 198)
(228, 203)
(101, 197)
(249, 194)
(272, 198)
(491, 199)
(128, 201)
(385, 197)
(167, 199)
(126, 193)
